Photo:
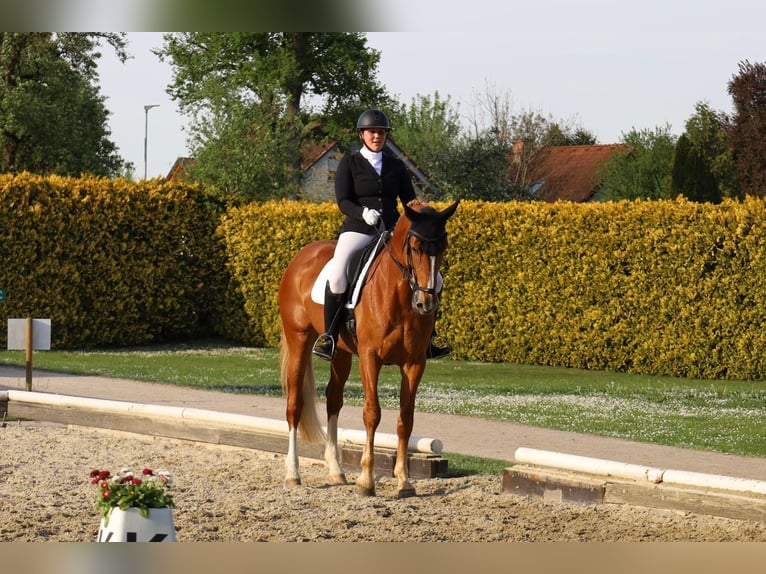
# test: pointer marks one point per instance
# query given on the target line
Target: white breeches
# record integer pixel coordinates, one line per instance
(349, 243)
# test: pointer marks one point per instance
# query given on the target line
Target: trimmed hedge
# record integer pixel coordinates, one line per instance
(665, 287)
(110, 262)
(260, 240)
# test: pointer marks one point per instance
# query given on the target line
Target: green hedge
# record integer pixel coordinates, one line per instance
(110, 262)
(665, 287)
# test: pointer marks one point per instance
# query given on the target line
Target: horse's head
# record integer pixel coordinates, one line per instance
(425, 244)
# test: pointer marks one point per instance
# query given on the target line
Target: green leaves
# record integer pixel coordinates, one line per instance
(52, 117)
(248, 93)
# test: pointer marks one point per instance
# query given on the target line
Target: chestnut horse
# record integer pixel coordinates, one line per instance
(394, 321)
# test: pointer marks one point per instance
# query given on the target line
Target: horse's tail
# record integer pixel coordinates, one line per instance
(309, 427)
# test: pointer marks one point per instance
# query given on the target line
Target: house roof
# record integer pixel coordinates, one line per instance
(570, 173)
(178, 168)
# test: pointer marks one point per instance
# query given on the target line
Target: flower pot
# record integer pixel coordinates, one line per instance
(129, 526)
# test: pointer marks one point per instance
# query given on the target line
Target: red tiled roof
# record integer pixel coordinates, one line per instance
(570, 173)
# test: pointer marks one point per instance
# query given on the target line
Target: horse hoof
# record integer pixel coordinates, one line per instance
(292, 483)
(338, 479)
(406, 493)
(364, 491)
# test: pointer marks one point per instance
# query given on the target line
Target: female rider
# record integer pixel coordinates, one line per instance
(367, 185)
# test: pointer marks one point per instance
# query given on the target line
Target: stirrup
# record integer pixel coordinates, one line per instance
(324, 347)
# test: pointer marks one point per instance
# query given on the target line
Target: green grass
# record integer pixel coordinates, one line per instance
(722, 416)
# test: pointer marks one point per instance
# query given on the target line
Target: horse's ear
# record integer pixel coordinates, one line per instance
(447, 213)
(411, 213)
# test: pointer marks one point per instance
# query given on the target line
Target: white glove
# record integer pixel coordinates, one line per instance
(370, 216)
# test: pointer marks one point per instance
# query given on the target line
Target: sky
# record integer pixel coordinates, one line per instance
(604, 65)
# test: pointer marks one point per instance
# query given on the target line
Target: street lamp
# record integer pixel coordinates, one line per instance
(146, 130)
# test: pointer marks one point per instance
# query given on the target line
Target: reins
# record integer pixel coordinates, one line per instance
(408, 272)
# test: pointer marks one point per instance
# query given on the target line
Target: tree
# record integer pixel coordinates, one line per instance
(703, 166)
(255, 98)
(556, 135)
(747, 127)
(644, 172)
(428, 130)
(691, 174)
(52, 117)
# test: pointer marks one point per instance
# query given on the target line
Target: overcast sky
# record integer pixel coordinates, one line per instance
(604, 65)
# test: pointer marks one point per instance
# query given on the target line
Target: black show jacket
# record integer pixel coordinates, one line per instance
(357, 185)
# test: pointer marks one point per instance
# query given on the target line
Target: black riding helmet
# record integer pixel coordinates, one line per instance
(373, 119)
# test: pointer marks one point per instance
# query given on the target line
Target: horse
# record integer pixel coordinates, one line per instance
(394, 318)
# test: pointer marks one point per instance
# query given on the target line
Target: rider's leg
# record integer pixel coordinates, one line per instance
(337, 283)
(324, 346)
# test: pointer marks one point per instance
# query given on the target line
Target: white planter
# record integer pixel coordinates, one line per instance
(129, 526)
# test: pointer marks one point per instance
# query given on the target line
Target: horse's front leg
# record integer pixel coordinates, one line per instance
(339, 371)
(369, 369)
(411, 375)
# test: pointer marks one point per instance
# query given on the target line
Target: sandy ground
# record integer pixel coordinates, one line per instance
(226, 494)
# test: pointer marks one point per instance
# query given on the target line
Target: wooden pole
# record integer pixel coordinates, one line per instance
(29, 353)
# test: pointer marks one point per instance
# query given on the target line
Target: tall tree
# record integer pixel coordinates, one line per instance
(703, 166)
(748, 125)
(53, 119)
(428, 130)
(255, 98)
(691, 174)
(644, 172)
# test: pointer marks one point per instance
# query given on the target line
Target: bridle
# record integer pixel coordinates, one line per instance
(408, 271)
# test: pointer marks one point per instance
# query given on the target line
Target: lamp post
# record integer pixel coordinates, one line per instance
(146, 131)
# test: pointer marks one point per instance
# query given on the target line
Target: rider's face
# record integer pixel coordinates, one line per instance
(374, 138)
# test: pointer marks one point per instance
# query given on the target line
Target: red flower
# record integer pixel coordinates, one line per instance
(106, 494)
(136, 481)
(147, 471)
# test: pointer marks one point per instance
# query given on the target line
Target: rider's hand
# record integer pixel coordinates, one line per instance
(370, 216)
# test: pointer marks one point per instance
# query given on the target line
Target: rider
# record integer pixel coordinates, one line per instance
(367, 185)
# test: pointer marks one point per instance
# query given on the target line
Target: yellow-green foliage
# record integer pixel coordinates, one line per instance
(110, 262)
(261, 239)
(667, 287)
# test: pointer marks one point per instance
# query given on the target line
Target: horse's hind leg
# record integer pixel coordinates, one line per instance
(339, 371)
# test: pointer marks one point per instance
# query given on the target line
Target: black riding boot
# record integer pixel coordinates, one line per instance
(436, 352)
(324, 346)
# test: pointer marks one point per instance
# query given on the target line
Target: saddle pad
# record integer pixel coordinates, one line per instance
(317, 291)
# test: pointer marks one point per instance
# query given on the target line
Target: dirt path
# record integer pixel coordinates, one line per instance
(233, 494)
